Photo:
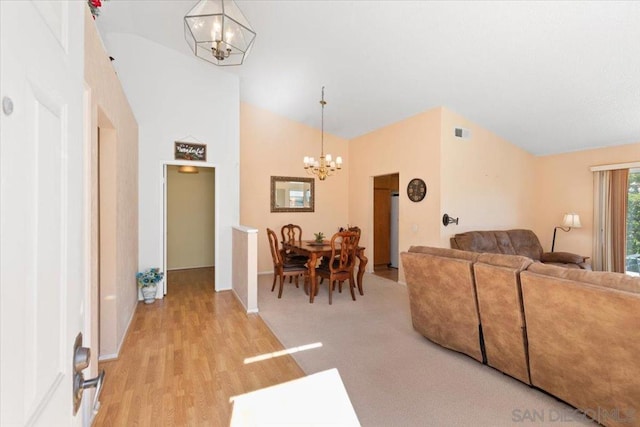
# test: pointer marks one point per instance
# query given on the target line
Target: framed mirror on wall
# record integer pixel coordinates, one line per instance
(292, 194)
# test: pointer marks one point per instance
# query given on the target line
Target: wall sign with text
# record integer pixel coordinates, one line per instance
(189, 151)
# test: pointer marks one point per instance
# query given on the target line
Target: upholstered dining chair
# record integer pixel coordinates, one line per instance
(342, 262)
(282, 269)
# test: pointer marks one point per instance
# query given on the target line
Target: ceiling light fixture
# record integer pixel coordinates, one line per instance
(325, 167)
(218, 32)
(188, 169)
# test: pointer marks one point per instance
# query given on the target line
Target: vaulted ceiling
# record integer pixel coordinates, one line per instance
(548, 76)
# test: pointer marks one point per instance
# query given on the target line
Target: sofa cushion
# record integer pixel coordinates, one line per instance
(584, 339)
(509, 242)
(479, 241)
(449, 253)
(619, 281)
(498, 288)
(563, 265)
(505, 245)
(562, 258)
(509, 261)
(526, 243)
(442, 298)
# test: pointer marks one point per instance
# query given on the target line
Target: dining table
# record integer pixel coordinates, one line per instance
(314, 251)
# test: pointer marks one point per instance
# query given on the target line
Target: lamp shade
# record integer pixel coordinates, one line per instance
(571, 220)
(218, 32)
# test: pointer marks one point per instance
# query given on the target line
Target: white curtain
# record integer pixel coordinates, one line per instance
(609, 219)
(601, 222)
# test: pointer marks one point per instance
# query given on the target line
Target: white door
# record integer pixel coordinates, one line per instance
(41, 209)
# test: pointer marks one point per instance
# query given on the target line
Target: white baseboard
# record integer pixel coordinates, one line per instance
(108, 357)
(190, 268)
(112, 356)
(252, 311)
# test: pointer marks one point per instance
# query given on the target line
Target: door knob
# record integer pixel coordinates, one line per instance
(81, 360)
(80, 385)
(94, 382)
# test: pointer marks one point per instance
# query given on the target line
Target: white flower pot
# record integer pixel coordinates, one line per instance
(149, 294)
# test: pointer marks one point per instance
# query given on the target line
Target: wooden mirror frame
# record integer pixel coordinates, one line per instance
(310, 181)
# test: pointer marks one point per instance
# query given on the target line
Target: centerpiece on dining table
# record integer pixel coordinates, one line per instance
(319, 237)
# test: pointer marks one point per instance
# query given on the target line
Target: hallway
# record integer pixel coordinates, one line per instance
(183, 358)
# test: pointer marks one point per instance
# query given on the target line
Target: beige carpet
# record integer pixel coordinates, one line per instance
(394, 376)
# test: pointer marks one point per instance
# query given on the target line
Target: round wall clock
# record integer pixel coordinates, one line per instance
(416, 190)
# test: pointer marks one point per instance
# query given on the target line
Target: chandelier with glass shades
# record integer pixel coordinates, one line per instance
(325, 166)
(218, 32)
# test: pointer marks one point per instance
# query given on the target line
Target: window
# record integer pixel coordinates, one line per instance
(633, 224)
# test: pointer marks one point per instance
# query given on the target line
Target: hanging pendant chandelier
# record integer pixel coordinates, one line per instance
(325, 166)
(218, 32)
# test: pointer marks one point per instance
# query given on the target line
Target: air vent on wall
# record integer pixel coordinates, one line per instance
(462, 133)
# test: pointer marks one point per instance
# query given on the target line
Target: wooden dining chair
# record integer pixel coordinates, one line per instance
(358, 231)
(282, 269)
(292, 233)
(342, 261)
(324, 262)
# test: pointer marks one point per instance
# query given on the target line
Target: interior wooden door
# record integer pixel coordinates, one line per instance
(381, 226)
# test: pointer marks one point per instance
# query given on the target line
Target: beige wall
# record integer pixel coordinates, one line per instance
(177, 97)
(271, 145)
(118, 292)
(190, 218)
(410, 148)
(486, 182)
(564, 183)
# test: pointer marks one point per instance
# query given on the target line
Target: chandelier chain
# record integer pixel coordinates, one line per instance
(323, 103)
(325, 166)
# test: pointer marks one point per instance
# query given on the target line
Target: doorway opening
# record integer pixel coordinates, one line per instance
(385, 225)
(189, 224)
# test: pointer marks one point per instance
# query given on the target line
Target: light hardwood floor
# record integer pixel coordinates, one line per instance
(184, 358)
(386, 272)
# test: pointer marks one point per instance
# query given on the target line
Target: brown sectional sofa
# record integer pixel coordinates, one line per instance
(515, 242)
(572, 333)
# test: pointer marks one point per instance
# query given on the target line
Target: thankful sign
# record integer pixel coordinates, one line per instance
(188, 151)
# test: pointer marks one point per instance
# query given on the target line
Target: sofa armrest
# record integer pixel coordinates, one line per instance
(585, 265)
(563, 257)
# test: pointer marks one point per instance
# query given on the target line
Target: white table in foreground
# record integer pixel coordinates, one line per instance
(315, 400)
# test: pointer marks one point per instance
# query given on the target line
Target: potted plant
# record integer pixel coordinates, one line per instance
(148, 283)
(319, 237)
